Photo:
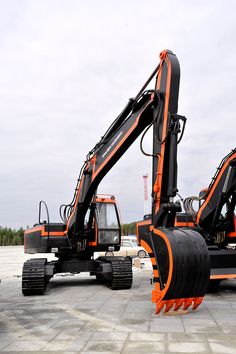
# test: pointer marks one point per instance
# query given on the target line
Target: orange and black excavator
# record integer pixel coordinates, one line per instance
(186, 249)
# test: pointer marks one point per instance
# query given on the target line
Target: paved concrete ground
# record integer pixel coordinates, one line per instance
(78, 315)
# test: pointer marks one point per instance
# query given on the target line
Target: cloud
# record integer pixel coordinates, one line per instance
(68, 68)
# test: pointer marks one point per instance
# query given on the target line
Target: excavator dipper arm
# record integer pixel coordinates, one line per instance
(179, 256)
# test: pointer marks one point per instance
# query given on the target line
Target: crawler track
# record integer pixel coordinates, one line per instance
(33, 276)
(122, 275)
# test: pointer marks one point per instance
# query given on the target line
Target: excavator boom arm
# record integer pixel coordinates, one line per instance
(157, 108)
(106, 154)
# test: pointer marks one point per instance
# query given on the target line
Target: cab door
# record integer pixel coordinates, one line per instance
(108, 223)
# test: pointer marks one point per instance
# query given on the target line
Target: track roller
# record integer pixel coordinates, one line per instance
(33, 276)
(181, 266)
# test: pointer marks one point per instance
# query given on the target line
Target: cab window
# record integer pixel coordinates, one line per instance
(108, 224)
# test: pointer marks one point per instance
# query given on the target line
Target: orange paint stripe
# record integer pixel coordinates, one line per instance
(53, 233)
(223, 276)
(92, 243)
(145, 222)
(45, 233)
(181, 224)
(145, 245)
(159, 178)
(105, 200)
(231, 234)
(149, 251)
(155, 273)
(153, 260)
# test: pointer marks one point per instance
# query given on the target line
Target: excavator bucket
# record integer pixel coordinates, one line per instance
(181, 267)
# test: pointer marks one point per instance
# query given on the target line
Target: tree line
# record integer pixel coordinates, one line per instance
(12, 237)
(129, 229)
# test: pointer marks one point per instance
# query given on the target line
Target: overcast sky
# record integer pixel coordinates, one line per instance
(67, 68)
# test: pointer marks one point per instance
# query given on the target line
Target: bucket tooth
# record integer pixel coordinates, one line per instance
(169, 305)
(159, 306)
(187, 303)
(155, 296)
(178, 303)
(197, 302)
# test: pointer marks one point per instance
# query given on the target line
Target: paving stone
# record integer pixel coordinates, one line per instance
(202, 329)
(166, 328)
(166, 320)
(65, 336)
(62, 326)
(228, 329)
(95, 352)
(199, 321)
(4, 343)
(186, 337)
(25, 345)
(226, 348)
(144, 347)
(221, 337)
(9, 336)
(146, 337)
(187, 347)
(40, 352)
(141, 327)
(64, 345)
(92, 327)
(35, 336)
(117, 336)
(104, 346)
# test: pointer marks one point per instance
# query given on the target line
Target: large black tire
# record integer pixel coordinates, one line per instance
(141, 254)
(109, 254)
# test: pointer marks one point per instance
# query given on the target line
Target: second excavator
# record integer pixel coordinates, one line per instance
(178, 243)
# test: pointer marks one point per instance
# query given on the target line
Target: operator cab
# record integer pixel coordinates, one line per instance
(108, 223)
(106, 233)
